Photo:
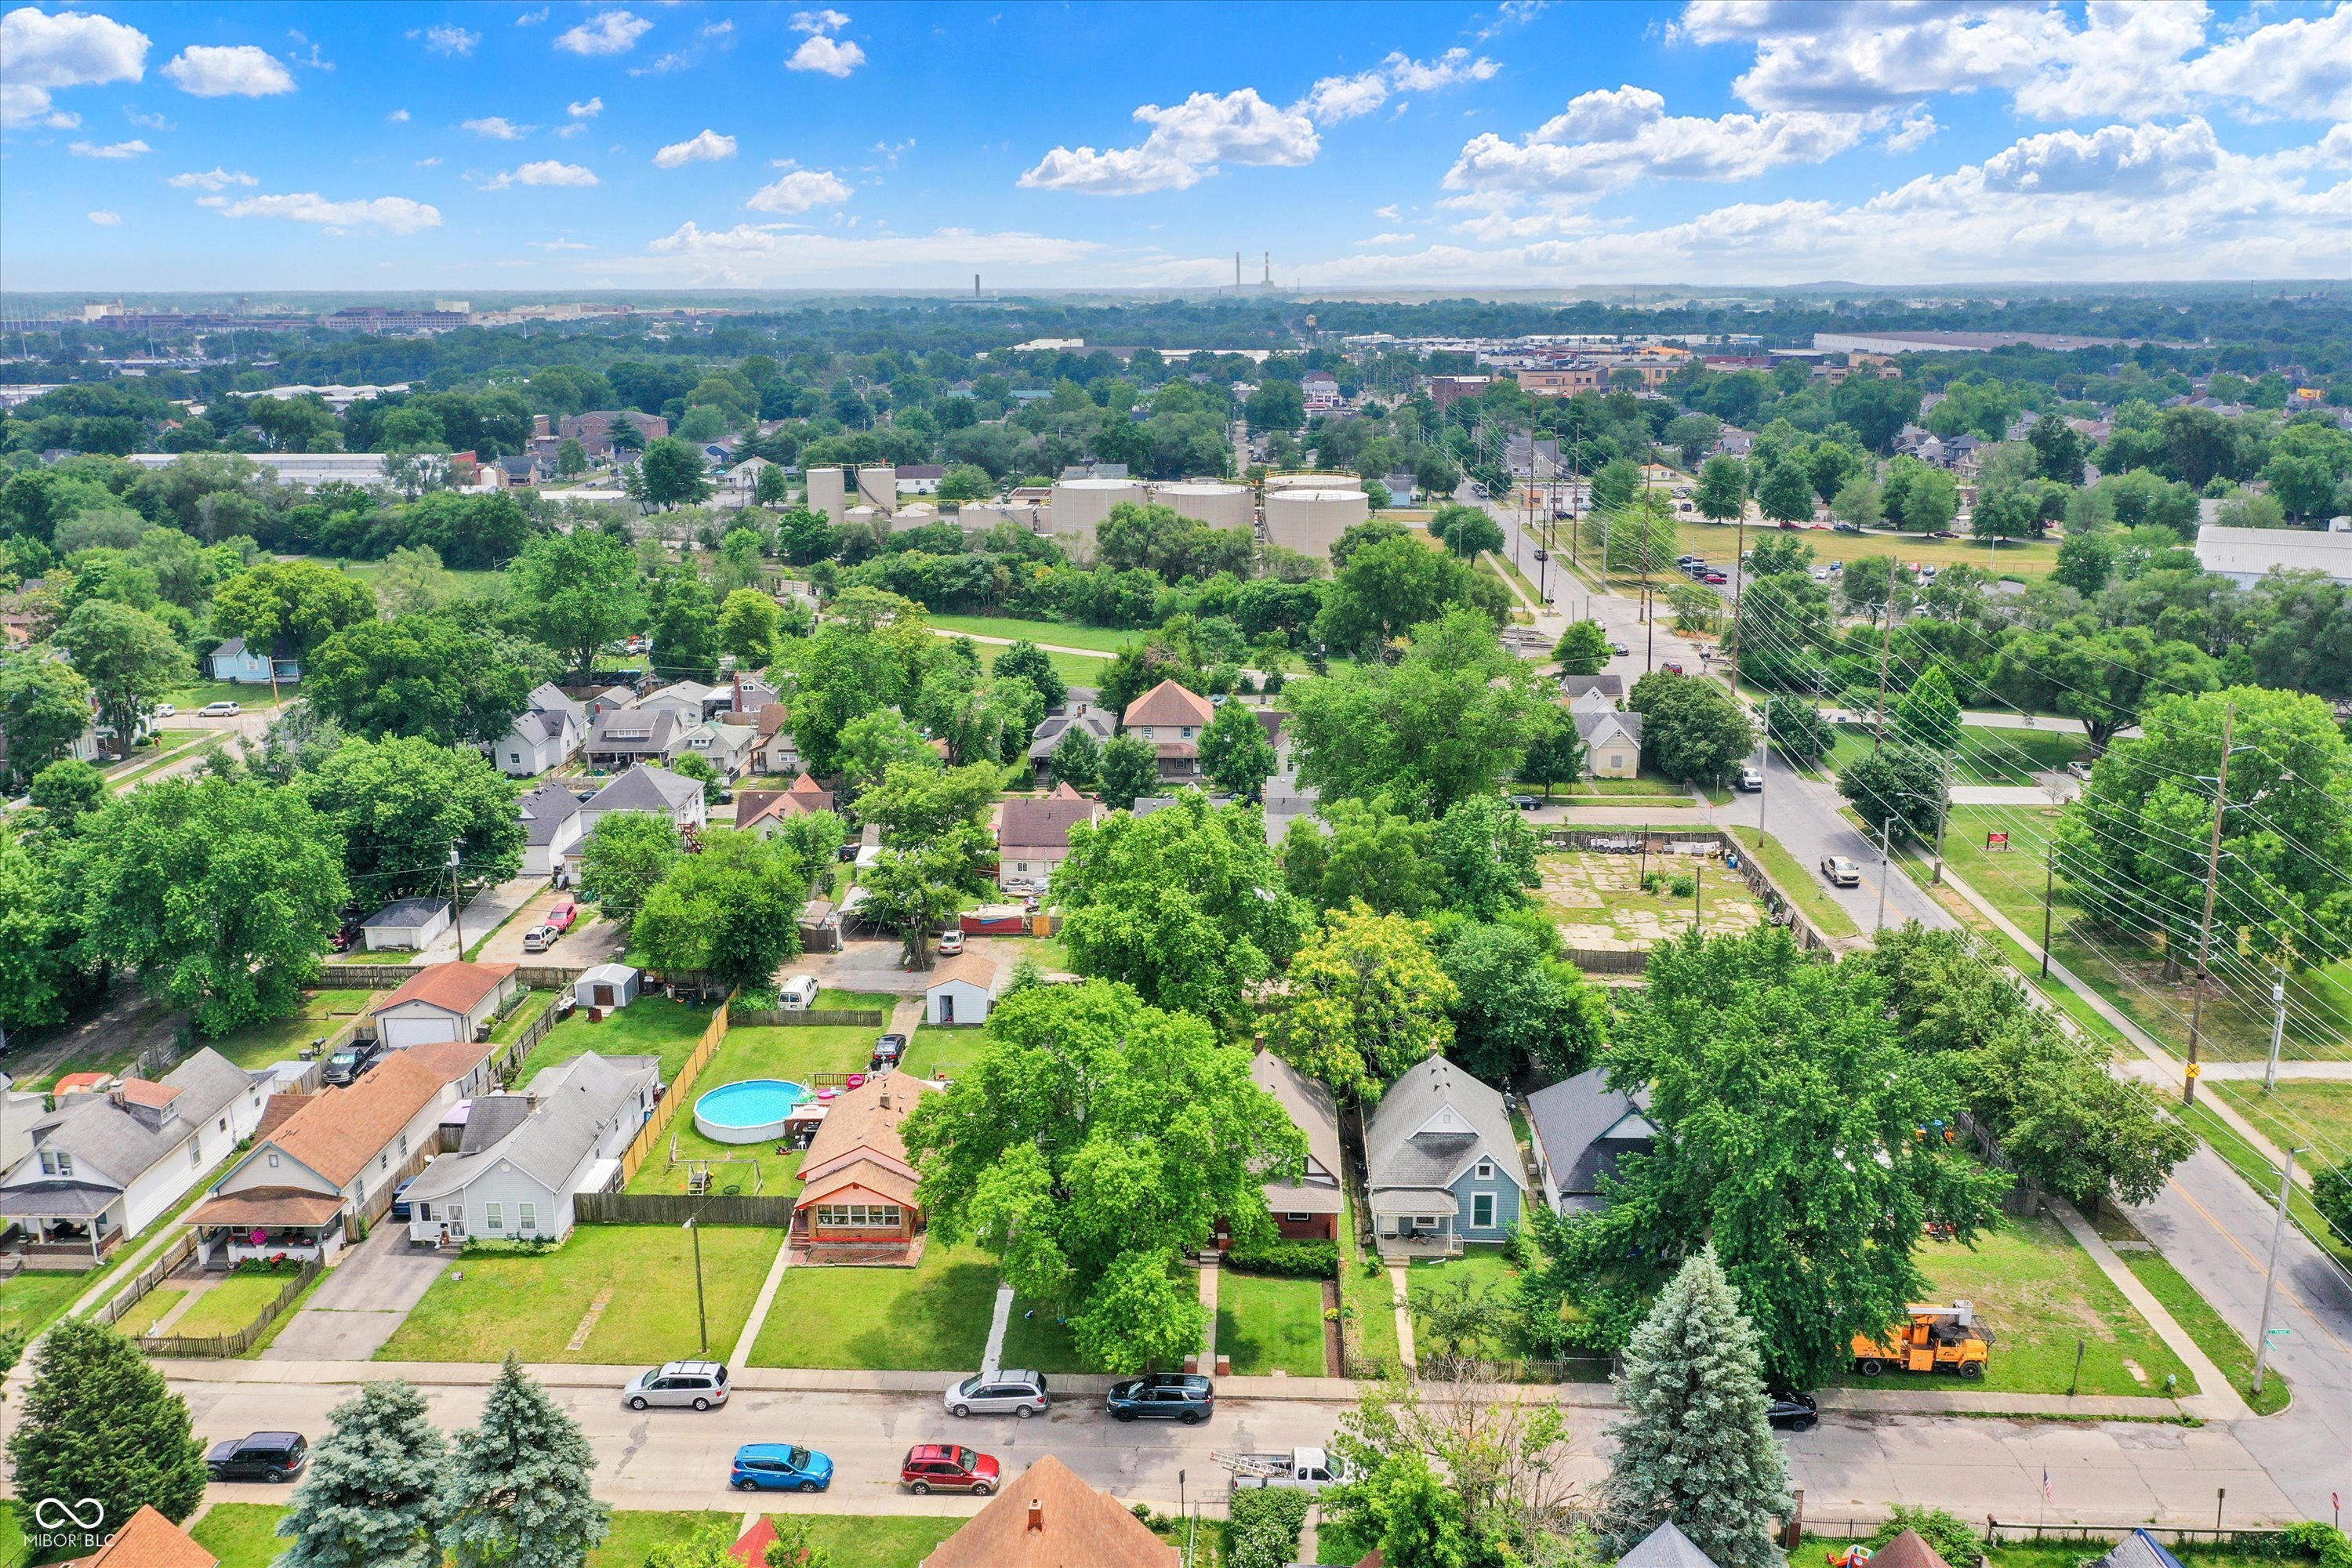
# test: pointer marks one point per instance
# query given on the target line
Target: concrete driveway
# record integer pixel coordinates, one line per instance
(588, 942)
(362, 1299)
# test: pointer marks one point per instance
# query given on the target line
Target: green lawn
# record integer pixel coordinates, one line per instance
(785, 1053)
(1488, 1268)
(192, 695)
(1719, 543)
(232, 1305)
(877, 1001)
(1985, 756)
(934, 1046)
(1063, 633)
(2214, 1336)
(245, 1534)
(636, 1532)
(2300, 1113)
(279, 1039)
(1634, 786)
(1266, 1324)
(31, 1301)
(2041, 1293)
(490, 1302)
(930, 1318)
(1801, 883)
(151, 1310)
(649, 1026)
(862, 1540)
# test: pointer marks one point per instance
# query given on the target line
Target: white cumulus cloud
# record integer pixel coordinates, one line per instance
(706, 147)
(828, 56)
(105, 219)
(216, 179)
(42, 52)
(443, 39)
(752, 254)
(397, 214)
(398, 117)
(545, 171)
(130, 149)
(821, 21)
(587, 110)
(799, 190)
(1334, 99)
(607, 33)
(1187, 141)
(228, 70)
(498, 128)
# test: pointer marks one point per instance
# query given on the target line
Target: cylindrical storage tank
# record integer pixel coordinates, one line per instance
(828, 493)
(1081, 505)
(914, 517)
(878, 487)
(1218, 505)
(1311, 522)
(1312, 482)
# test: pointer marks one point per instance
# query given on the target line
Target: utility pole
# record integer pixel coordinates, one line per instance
(1943, 799)
(1886, 648)
(2049, 864)
(2278, 1025)
(457, 904)
(2270, 1275)
(1885, 838)
(2205, 926)
(1738, 580)
(1763, 769)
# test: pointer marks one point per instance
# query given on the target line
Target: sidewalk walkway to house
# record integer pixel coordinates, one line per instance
(2216, 1399)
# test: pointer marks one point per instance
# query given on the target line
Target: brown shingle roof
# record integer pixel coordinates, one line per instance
(1047, 1518)
(267, 1207)
(450, 1060)
(967, 967)
(277, 1113)
(340, 1130)
(864, 1175)
(1169, 703)
(866, 1116)
(147, 1092)
(458, 987)
(149, 1541)
(1908, 1550)
(1044, 823)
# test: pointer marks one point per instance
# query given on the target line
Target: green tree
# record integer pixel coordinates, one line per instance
(1858, 502)
(1516, 1004)
(733, 910)
(1365, 1001)
(1185, 905)
(44, 708)
(1931, 501)
(1236, 755)
(129, 658)
(411, 581)
(376, 1487)
(913, 891)
(1466, 531)
(1929, 715)
(1554, 756)
(577, 592)
(217, 892)
(2059, 452)
(769, 488)
(1128, 769)
(1786, 494)
(99, 1422)
(1093, 1141)
(65, 790)
(1899, 789)
(672, 473)
(916, 802)
(1486, 854)
(1692, 728)
(1264, 1528)
(703, 771)
(37, 915)
(2102, 676)
(2086, 562)
(1032, 664)
(966, 481)
(686, 629)
(298, 601)
(1796, 728)
(1386, 588)
(399, 805)
(570, 459)
(1722, 489)
(519, 1484)
(1077, 758)
(419, 676)
(748, 623)
(1366, 851)
(1583, 649)
(873, 743)
(1693, 1443)
(625, 856)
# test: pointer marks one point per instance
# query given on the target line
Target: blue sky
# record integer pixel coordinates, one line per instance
(565, 146)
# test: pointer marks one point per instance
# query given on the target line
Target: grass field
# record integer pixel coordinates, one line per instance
(792, 1054)
(2014, 759)
(32, 1300)
(931, 1318)
(2298, 1113)
(151, 1310)
(864, 1540)
(1488, 1269)
(190, 695)
(2226, 1347)
(1597, 899)
(1062, 634)
(232, 1305)
(245, 1534)
(936, 1046)
(649, 1026)
(1719, 543)
(636, 1532)
(1270, 1325)
(278, 1039)
(2042, 1294)
(1801, 883)
(490, 1302)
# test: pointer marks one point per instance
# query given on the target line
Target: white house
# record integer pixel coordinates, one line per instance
(405, 923)
(727, 747)
(690, 700)
(443, 1002)
(344, 1152)
(1612, 743)
(656, 790)
(20, 1109)
(962, 991)
(105, 1166)
(525, 1156)
(545, 734)
(551, 825)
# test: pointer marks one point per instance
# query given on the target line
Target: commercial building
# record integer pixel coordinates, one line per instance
(2245, 555)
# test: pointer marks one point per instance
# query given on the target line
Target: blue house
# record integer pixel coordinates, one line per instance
(234, 661)
(1444, 1164)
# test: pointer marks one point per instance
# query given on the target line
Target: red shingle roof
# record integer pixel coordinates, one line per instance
(460, 987)
(1169, 703)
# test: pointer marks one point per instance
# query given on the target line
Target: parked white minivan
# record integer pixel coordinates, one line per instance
(797, 994)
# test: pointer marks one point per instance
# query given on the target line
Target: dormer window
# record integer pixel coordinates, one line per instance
(54, 1163)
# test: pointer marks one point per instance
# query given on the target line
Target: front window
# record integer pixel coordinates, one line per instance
(493, 1217)
(1482, 1211)
(798, 1459)
(56, 1164)
(528, 1220)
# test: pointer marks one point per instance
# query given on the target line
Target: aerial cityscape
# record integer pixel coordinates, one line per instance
(1428, 785)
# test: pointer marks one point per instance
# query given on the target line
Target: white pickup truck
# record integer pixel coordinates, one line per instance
(1302, 1469)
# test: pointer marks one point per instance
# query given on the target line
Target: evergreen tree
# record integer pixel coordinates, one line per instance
(1694, 1445)
(1076, 757)
(375, 1491)
(518, 1494)
(99, 1423)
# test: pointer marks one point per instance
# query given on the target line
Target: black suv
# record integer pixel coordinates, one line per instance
(1163, 1397)
(259, 1456)
(346, 1065)
(1793, 1413)
(888, 1052)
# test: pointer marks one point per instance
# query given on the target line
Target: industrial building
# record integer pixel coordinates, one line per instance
(1081, 505)
(1311, 520)
(828, 493)
(2246, 555)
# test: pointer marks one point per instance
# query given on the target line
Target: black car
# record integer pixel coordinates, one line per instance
(259, 1457)
(1793, 1413)
(1163, 1397)
(346, 1065)
(888, 1052)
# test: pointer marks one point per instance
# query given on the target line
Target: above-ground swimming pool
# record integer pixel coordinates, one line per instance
(752, 1111)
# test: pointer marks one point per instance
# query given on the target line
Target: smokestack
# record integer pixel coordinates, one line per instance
(1037, 1513)
(1237, 271)
(975, 285)
(1269, 268)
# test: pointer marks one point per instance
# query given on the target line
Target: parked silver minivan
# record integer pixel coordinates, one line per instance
(1021, 1394)
(694, 1384)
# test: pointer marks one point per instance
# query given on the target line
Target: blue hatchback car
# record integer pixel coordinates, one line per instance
(780, 1468)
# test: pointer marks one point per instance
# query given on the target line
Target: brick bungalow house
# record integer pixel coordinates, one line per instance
(858, 1186)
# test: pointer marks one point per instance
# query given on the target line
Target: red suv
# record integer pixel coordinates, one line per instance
(948, 1468)
(561, 914)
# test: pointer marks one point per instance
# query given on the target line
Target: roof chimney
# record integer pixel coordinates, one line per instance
(1037, 1513)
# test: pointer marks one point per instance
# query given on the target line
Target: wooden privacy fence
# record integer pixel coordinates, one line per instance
(1777, 905)
(392, 976)
(221, 1347)
(146, 1279)
(1609, 960)
(676, 1208)
(642, 1145)
(815, 1018)
(512, 1057)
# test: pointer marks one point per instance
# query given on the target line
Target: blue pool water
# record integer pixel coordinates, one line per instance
(752, 1111)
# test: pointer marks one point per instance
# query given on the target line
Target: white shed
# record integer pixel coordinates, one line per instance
(606, 985)
(409, 924)
(962, 991)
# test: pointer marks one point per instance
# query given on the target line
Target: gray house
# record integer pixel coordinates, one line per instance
(1583, 1128)
(524, 1157)
(1445, 1167)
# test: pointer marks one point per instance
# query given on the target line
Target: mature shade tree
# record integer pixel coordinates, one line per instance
(1786, 492)
(1077, 758)
(1389, 586)
(519, 1484)
(1032, 664)
(1484, 854)
(412, 581)
(2102, 676)
(577, 592)
(1516, 1004)
(1859, 502)
(1796, 728)
(1364, 851)
(419, 676)
(65, 790)
(625, 856)
(1554, 756)
(44, 708)
(1898, 791)
(1694, 1446)
(1692, 728)
(400, 803)
(2059, 451)
(1789, 1109)
(1185, 905)
(99, 1422)
(733, 910)
(1722, 492)
(1128, 770)
(847, 668)
(130, 660)
(1236, 755)
(1092, 1142)
(2086, 562)
(36, 934)
(1507, 1498)
(671, 472)
(1929, 714)
(685, 628)
(748, 623)
(298, 601)
(1365, 1000)
(912, 890)
(217, 892)
(1782, 624)
(1583, 649)
(376, 1487)
(918, 802)
(873, 743)
(1466, 531)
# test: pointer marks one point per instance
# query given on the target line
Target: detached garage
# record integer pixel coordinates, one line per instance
(445, 1002)
(962, 991)
(412, 923)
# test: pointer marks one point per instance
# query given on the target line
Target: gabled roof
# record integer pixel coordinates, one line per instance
(1908, 1551)
(646, 789)
(115, 1145)
(566, 1113)
(1047, 1518)
(734, 737)
(544, 808)
(2137, 1549)
(866, 1119)
(1668, 1547)
(1403, 1151)
(1608, 681)
(770, 718)
(451, 1060)
(457, 987)
(967, 967)
(692, 691)
(1601, 729)
(402, 913)
(1583, 1126)
(1050, 731)
(1170, 703)
(341, 1129)
(549, 698)
(1308, 1101)
(641, 731)
(1044, 823)
(148, 1540)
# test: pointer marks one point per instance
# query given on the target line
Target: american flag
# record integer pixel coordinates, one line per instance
(2045, 1485)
